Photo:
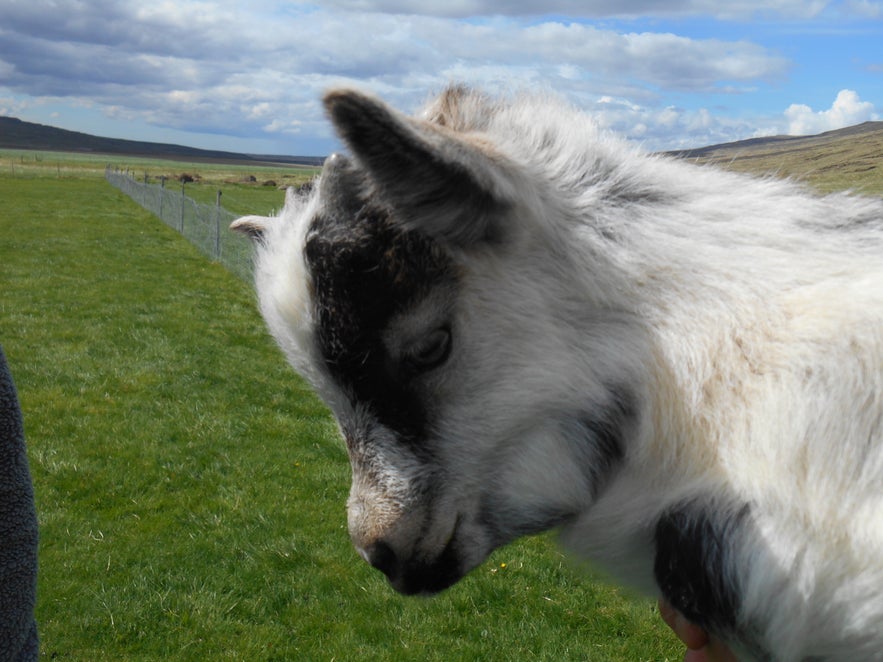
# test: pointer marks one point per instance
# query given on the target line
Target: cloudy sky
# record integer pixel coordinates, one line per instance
(246, 76)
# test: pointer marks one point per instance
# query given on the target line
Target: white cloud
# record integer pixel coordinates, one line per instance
(864, 8)
(283, 126)
(735, 9)
(222, 67)
(601, 57)
(258, 70)
(847, 109)
(15, 106)
(666, 128)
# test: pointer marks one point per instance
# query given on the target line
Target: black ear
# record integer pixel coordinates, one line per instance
(436, 181)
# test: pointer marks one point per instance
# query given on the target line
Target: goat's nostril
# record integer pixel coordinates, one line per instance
(381, 556)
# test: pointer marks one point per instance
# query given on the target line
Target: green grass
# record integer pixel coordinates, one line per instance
(191, 489)
(845, 160)
(238, 193)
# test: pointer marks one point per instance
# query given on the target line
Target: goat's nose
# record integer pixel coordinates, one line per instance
(382, 557)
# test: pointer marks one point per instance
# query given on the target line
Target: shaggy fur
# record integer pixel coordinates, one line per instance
(523, 323)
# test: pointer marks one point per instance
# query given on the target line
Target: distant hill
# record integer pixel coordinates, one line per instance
(850, 158)
(18, 134)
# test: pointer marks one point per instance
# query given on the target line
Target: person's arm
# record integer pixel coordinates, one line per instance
(18, 532)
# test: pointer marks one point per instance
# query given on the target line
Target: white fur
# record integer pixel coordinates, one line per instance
(746, 321)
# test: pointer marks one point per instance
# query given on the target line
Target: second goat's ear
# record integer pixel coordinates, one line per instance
(436, 181)
(251, 226)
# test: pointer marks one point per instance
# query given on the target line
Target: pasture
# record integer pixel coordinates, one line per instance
(846, 159)
(191, 489)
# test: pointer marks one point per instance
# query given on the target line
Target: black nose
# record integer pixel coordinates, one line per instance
(381, 556)
(410, 577)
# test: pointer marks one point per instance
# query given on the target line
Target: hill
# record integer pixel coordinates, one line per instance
(18, 134)
(849, 158)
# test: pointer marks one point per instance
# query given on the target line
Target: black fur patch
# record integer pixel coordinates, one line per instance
(605, 432)
(598, 440)
(694, 564)
(365, 270)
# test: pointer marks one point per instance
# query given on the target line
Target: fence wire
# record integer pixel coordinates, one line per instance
(205, 226)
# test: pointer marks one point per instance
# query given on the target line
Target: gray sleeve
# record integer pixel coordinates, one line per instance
(18, 531)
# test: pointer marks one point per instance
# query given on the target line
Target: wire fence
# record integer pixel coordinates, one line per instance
(205, 226)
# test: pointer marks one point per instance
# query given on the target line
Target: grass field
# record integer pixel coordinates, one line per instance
(239, 194)
(847, 159)
(191, 489)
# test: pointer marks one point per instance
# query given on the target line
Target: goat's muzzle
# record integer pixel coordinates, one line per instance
(416, 576)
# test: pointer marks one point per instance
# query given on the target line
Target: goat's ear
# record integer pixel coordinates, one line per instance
(251, 226)
(436, 181)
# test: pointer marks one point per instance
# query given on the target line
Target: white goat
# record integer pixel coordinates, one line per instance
(521, 323)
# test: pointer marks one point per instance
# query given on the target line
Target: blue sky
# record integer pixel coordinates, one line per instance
(247, 76)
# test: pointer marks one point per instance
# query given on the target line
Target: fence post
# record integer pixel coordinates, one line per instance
(162, 192)
(218, 226)
(124, 180)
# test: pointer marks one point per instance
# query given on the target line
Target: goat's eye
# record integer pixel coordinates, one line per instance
(431, 351)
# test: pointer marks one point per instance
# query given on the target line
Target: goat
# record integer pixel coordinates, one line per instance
(523, 323)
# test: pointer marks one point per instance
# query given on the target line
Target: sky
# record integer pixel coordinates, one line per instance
(248, 76)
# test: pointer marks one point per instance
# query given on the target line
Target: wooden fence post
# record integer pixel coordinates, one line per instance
(218, 226)
(183, 200)
(162, 191)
